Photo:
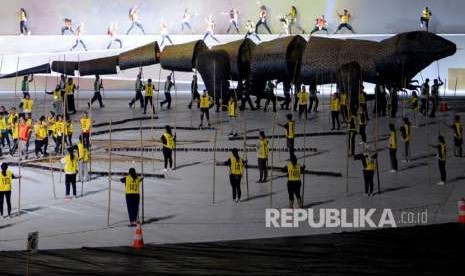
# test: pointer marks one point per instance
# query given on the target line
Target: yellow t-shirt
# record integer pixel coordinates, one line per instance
(293, 172)
(6, 181)
(132, 185)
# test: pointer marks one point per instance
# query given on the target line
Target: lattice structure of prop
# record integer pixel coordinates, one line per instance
(148, 54)
(182, 57)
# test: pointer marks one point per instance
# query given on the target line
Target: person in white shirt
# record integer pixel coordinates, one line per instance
(210, 29)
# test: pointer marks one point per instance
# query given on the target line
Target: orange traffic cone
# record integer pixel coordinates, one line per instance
(138, 242)
(461, 210)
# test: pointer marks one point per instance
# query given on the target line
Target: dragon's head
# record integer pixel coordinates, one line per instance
(403, 56)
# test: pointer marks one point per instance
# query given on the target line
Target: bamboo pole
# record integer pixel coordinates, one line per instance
(245, 153)
(303, 173)
(90, 144)
(142, 169)
(53, 177)
(79, 88)
(19, 182)
(273, 127)
(175, 112)
(109, 179)
(214, 166)
(16, 78)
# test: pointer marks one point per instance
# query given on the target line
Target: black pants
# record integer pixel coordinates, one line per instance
(59, 144)
(5, 137)
(70, 181)
(167, 100)
(425, 21)
(293, 188)
(7, 195)
(138, 97)
(458, 147)
(286, 102)
(424, 106)
(235, 185)
(303, 109)
(316, 29)
(351, 142)
(97, 97)
(71, 106)
(168, 156)
(195, 96)
(262, 22)
(434, 105)
(335, 119)
(442, 170)
(365, 109)
(363, 134)
(86, 140)
(132, 202)
(204, 111)
(345, 25)
(311, 107)
(271, 99)
(69, 140)
(45, 144)
(290, 146)
(23, 27)
(38, 147)
(262, 168)
(148, 99)
(393, 157)
(368, 177)
(407, 150)
(345, 113)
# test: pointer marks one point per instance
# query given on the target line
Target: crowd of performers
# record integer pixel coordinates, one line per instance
(18, 128)
(289, 21)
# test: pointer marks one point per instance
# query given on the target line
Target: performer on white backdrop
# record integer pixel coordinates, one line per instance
(263, 13)
(292, 18)
(233, 19)
(79, 33)
(68, 26)
(285, 25)
(164, 33)
(134, 18)
(186, 20)
(210, 32)
(113, 33)
(321, 24)
(23, 22)
(250, 28)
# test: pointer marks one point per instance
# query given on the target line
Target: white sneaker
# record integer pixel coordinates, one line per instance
(165, 170)
(392, 171)
(441, 183)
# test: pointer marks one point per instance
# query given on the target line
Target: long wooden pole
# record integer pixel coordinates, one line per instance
(273, 129)
(16, 77)
(79, 88)
(214, 166)
(142, 169)
(303, 173)
(109, 178)
(90, 144)
(19, 182)
(175, 117)
(245, 153)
